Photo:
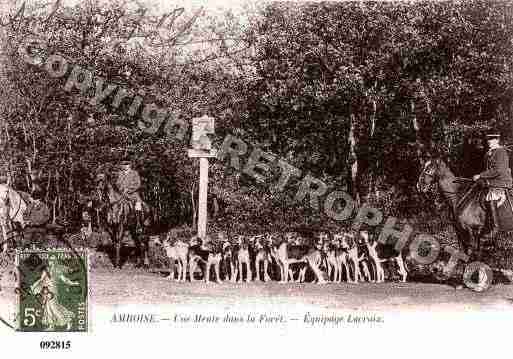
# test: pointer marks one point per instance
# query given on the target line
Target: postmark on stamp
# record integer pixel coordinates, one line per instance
(53, 290)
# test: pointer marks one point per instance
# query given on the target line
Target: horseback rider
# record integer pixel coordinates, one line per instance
(37, 213)
(129, 183)
(35, 217)
(496, 178)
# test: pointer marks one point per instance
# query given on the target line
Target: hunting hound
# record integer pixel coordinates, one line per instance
(176, 253)
(382, 253)
(354, 259)
(286, 254)
(209, 253)
(229, 262)
(262, 248)
(364, 260)
(332, 263)
(243, 258)
(341, 256)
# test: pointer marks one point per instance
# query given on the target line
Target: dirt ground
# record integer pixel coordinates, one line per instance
(134, 286)
(142, 287)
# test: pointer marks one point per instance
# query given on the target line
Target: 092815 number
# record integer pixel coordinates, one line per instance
(54, 344)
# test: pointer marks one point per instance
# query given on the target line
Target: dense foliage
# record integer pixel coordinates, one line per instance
(355, 93)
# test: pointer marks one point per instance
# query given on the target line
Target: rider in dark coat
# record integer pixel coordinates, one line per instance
(37, 213)
(129, 183)
(36, 217)
(497, 176)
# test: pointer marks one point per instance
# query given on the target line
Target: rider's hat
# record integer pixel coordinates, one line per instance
(493, 135)
(125, 163)
(100, 177)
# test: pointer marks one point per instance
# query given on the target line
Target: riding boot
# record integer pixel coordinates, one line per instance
(138, 220)
(494, 219)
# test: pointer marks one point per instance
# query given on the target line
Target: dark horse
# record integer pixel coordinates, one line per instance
(465, 200)
(122, 216)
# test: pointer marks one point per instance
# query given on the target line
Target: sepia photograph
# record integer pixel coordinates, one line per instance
(258, 174)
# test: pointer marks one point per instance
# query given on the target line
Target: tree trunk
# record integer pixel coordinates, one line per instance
(424, 127)
(416, 128)
(193, 204)
(48, 187)
(54, 211)
(371, 189)
(353, 160)
(68, 200)
(215, 207)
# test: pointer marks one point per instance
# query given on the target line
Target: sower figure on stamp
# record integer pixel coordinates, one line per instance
(496, 178)
(52, 280)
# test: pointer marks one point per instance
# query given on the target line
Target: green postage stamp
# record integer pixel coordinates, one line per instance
(53, 290)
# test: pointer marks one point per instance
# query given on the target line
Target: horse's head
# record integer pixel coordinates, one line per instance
(429, 175)
(103, 185)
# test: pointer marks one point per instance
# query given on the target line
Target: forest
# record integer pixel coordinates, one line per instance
(355, 93)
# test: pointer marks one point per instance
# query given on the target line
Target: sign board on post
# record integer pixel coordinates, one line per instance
(202, 149)
(201, 128)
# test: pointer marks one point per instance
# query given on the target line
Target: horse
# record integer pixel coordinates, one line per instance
(12, 210)
(121, 216)
(471, 219)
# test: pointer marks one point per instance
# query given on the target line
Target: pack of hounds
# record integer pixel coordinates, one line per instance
(341, 257)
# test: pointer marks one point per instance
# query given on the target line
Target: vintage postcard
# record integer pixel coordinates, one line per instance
(256, 178)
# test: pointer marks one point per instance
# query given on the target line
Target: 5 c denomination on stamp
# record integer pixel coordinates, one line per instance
(53, 290)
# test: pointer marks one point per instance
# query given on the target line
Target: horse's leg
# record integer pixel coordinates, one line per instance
(97, 219)
(132, 229)
(464, 238)
(146, 259)
(143, 243)
(113, 232)
(138, 246)
(119, 238)
(474, 241)
(478, 248)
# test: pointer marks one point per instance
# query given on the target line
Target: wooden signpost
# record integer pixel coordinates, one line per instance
(202, 149)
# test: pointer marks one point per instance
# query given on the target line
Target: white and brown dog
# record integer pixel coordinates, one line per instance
(382, 253)
(333, 264)
(354, 259)
(294, 240)
(229, 262)
(176, 252)
(209, 253)
(243, 258)
(364, 260)
(262, 248)
(286, 254)
(377, 263)
(341, 256)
